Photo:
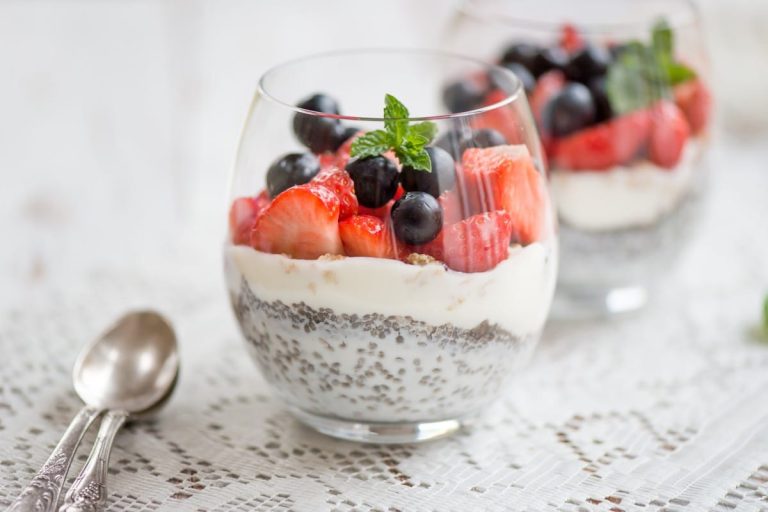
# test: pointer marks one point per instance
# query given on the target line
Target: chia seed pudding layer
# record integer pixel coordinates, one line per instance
(374, 367)
(630, 256)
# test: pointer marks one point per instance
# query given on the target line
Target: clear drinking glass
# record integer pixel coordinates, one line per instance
(620, 94)
(383, 302)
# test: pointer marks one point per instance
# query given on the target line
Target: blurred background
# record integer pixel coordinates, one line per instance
(119, 120)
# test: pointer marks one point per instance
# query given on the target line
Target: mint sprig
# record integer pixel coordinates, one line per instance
(643, 74)
(407, 141)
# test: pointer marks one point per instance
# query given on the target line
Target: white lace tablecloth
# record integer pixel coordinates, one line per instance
(666, 409)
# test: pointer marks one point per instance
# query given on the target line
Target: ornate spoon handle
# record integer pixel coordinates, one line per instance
(42, 493)
(89, 490)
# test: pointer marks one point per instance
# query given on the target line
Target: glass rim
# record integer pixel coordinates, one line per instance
(492, 14)
(509, 98)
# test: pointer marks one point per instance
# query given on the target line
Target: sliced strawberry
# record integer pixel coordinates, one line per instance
(338, 181)
(548, 84)
(604, 145)
(243, 215)
(504, 177)
(669, 134)
(503, 119)
(302, 222)
(478, 243)
(453, 210)
(695, 100)
(365, 235)
(570, 38)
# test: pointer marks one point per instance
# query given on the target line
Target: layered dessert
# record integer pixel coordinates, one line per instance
(378, 279)
(623, 124)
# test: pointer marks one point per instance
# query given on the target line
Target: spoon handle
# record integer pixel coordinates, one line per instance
(89, 490)
(42, 493)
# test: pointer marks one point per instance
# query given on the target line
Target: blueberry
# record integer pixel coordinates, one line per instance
(549, 59)
(289, 170)
(453, 141)
(603, 110)
(520, 53)
(569, 110)
(320, 103)
(486, 138)
(417, 218)
(522, 74)
(589, 62)
(442, 177)
(375, 180)
(463, 95)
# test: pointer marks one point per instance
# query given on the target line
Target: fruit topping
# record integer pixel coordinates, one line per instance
(669, 133)
(417, 218)
(504, 177)
(302, 222)
(570, 38)
(604, 145)
(568, 111)
(340, 183)
(521, 72)
(549, 59)
(290, 170)
(603, 110)
(485, 138)
(317, 132)
(695, 100)
(520, 53)
(365, 235)
(589, 62)
(375, 180)
(478, 243)
(243, 215)
(548, 85)
(463, 95)
(320, 102)
(442, 177)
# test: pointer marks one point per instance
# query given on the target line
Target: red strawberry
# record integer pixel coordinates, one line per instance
(338, 181)
(364, 235)
(302, 222)
(570, 38)
(669, 133)
(453, 210)
(504, 177)
(695, 100)
(604, 145)
(478, 243)
(503, 119)
(243, 215)
(547, 86)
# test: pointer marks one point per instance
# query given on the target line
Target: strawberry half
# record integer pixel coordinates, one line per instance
(243, 215)
(669, 133)
(695, 100)
(478, 243)
(302, 222)
(505, 178)
(365, 235)
(337, 180)
(604, 145)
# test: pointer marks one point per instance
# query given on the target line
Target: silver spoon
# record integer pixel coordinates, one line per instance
(130, 368)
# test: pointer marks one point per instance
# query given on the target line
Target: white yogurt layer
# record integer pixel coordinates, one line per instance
(516, 294)
(622, 197)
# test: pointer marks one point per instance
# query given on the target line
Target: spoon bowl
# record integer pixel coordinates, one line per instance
(132, 366)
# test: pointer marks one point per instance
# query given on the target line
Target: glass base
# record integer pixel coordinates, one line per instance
(583, 303)
(380, 433)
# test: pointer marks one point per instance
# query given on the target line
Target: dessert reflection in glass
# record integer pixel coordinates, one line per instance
(391, 264)
(620, 96)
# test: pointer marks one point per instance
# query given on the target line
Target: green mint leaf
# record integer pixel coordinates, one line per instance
(395, 119)
(426, 129)
(678, 73)
(765, 316)
(418, 160)
(663, 39)
(371, 144)
(627, 83)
